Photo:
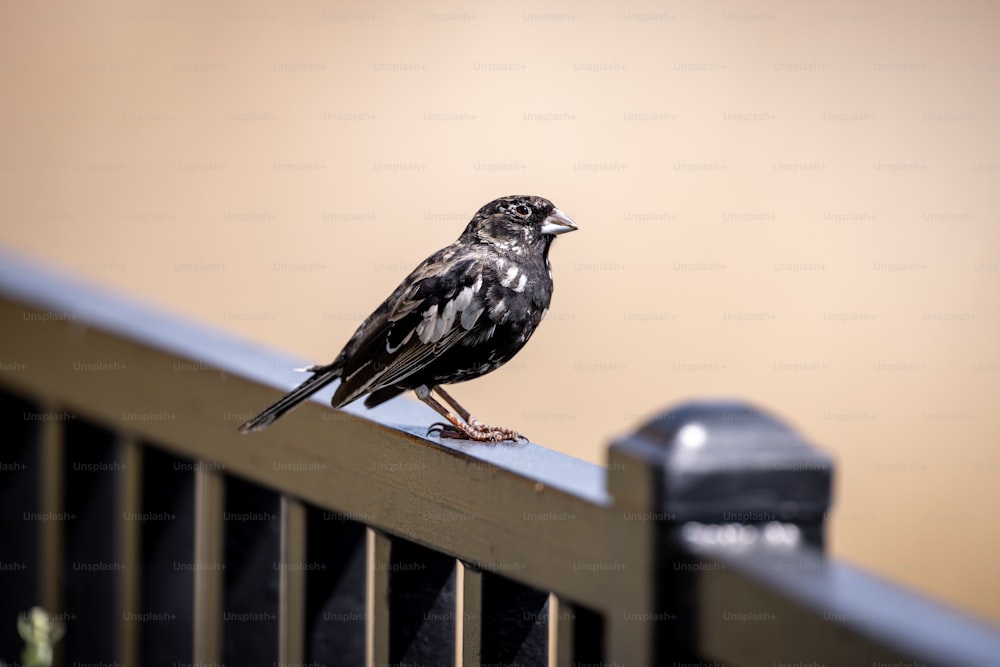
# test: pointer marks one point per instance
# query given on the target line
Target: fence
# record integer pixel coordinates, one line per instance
(132, 509)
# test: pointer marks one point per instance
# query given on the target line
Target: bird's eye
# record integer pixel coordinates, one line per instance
(522, 211)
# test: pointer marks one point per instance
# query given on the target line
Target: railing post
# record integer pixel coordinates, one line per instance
(720, 472)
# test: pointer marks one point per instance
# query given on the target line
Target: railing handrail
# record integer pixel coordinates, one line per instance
(330, 441)
(804, 591)
(594, 536)
(545, 519)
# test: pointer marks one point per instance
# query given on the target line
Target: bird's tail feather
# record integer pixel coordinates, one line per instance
(322, 376)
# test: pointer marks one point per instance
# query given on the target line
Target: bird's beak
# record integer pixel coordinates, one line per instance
(558, 223)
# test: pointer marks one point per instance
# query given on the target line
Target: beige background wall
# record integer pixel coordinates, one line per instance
(792, 202)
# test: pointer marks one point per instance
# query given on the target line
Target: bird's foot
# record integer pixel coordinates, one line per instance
(474, 430)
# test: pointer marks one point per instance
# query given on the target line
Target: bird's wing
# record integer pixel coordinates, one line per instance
(437, 306)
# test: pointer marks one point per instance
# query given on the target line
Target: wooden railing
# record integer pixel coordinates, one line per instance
(132, 510)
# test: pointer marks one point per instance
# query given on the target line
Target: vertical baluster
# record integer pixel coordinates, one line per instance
(377, 625)
(209, 491)
(292, 583)
(128, 545)
(51, 502)
(565, 624)
(472, 616)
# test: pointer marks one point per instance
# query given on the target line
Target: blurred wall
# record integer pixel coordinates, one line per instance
(791, 202)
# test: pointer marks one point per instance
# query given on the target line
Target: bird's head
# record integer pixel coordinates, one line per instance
(518, 223)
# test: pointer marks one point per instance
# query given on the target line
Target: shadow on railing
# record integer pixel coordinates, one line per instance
(132, 509)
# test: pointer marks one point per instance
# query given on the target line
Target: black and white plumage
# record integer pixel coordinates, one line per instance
(464, 311)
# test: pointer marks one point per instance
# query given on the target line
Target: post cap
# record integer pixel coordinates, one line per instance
(726, 461)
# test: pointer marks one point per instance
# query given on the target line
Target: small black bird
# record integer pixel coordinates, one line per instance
(465, 311)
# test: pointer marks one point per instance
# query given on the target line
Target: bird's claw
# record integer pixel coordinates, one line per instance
(476, 431)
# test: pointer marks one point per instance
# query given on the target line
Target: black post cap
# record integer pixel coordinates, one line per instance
(727, 461)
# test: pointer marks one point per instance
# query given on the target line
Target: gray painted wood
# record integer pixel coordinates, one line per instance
(209, 498)
(129, 497)
(291, 583)
(51, 561)
(472, 616)
(802, 607)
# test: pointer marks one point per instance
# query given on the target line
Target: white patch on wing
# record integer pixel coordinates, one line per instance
(392, 350)
(464, 307)
(471, 314)
(445, 321)
(521, 282)
(499, 312)
(425, 330)
(509, 278)
(463, 299)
